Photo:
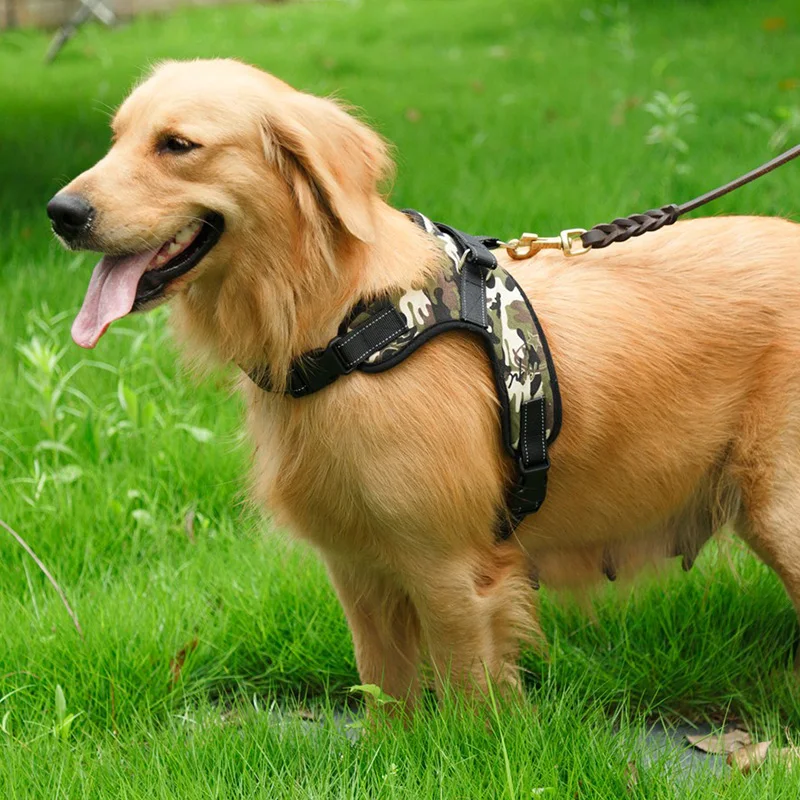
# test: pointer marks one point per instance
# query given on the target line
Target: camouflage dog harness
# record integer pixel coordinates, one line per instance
(471, 292)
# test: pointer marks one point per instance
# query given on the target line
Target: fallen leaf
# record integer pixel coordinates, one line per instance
(787, 84)
(176, 664)
(413, 115)
(631, 776)
(788, 755)
(719, 744)
(188, 524)
(749, 757)
(478, 86)
(772, 24)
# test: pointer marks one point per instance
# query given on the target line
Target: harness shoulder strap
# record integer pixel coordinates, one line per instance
(528, 492)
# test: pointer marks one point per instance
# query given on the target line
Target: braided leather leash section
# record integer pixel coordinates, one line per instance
(624, 228)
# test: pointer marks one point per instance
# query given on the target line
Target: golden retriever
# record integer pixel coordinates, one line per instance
(256, 210)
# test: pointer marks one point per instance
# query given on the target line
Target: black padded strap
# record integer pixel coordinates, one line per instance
(473, 293)
(319, 368)
(382, 327)
(528, 492)
(533, 434)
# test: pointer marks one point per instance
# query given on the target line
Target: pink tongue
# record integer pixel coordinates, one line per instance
(111, 292)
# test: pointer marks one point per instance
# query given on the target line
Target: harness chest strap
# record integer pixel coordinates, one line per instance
(471, 292)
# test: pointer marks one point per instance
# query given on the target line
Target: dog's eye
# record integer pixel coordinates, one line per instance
(176, 144)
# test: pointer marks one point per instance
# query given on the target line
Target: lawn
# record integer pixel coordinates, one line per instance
(214, 659)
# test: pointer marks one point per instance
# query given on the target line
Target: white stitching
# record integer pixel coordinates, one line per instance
(485, 298)
(523, 432)
(389, 338)
(465, 311)
(544, 444)
(380, 316)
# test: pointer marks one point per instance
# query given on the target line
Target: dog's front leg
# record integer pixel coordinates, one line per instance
(474, 610)
(384, 627)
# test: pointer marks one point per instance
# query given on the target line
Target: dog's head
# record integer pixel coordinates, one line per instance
(215, 163)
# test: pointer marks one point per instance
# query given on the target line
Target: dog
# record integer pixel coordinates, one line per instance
(257, 211)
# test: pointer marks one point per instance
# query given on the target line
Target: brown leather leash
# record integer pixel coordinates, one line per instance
(577, 241)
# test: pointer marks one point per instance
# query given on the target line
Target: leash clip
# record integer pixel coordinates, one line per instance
(529, 244)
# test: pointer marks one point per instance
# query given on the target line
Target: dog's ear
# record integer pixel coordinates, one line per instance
(329, 158)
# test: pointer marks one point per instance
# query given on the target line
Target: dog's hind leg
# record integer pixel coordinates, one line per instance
(767, 468)
(773, 533)
(770, 524)
(385, 629)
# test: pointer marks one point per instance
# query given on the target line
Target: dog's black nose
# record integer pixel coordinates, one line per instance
(70, 214)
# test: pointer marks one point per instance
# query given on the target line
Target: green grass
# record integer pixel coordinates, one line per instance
(507, 116)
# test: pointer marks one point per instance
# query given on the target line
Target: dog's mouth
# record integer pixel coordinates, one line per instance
(121, 284)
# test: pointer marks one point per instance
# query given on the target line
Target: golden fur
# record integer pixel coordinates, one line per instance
(678, 357)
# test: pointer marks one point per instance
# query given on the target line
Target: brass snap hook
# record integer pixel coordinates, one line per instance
(529, 244)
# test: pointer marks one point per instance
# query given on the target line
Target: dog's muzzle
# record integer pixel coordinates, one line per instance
(70, 215)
